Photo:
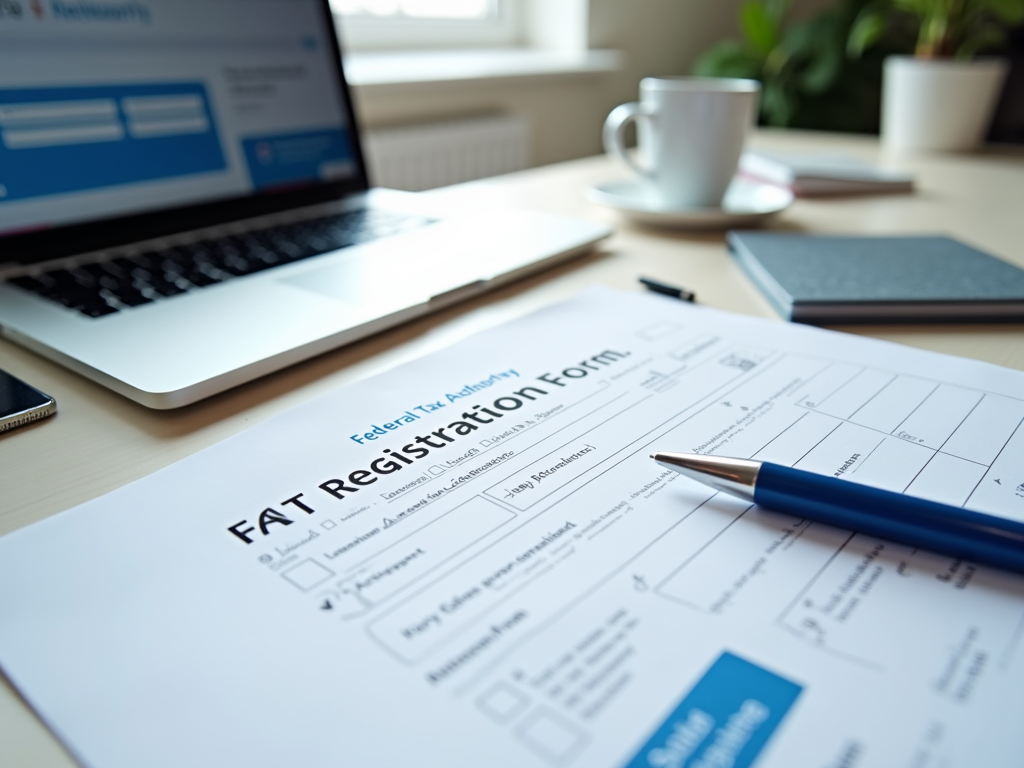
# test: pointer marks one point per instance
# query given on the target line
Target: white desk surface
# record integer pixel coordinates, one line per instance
(100, 441)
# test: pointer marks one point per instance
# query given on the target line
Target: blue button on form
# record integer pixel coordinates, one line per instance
(725, 720)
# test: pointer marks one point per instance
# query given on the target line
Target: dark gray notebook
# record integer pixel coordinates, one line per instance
(838, 279)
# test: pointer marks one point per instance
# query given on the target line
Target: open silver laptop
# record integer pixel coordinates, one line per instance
(184, 204)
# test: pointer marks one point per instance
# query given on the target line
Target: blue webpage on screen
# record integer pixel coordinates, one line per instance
(55, 140)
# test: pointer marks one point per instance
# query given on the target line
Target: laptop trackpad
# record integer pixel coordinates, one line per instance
(344, 281)
(383, 283)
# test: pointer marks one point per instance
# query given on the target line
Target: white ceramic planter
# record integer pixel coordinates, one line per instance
(938, 104)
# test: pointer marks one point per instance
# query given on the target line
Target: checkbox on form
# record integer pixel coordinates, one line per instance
(308, 574)
(553, 737)
(503, 703)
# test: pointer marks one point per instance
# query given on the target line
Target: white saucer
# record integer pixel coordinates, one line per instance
(746, 202)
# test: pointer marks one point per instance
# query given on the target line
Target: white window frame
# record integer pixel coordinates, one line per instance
(369, 33)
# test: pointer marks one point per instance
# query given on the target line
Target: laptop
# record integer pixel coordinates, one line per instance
(184, 203)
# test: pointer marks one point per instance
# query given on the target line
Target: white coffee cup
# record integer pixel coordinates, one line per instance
(690, 132)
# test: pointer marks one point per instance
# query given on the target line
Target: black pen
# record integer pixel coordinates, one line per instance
(668, 290)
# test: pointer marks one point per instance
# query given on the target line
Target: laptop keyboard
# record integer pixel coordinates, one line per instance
(109, 286)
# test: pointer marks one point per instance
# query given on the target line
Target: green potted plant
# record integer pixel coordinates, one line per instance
(808, 80)
(942, 97)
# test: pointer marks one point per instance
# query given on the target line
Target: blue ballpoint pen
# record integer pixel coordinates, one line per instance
(908, 520)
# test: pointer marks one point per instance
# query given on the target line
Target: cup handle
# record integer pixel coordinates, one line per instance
(615, 134)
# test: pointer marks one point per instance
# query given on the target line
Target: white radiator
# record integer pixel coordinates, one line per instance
(429, 155)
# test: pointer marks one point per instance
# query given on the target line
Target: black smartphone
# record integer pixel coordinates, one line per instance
(21, 404)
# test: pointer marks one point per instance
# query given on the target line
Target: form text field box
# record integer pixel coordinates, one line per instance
(985, 431)
(947, 479)
(938, 416)
(855, 393)
(893, 403)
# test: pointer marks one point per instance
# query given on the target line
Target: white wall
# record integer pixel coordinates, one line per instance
(656, 37)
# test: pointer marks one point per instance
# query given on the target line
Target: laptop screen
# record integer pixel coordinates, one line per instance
(116, 107)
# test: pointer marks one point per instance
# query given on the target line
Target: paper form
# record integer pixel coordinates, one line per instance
(471, 560)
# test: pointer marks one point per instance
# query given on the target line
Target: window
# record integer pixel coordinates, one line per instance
(417, 9)
(398, 24)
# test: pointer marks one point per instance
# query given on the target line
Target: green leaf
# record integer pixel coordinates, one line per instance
(799, 38)
(728, 59)
(777, 9)
(920, 8)
(775, 63)
(777, 104)
(988, 36)
(758, 27)
(1010, 11)
(865, 32)
(821, 71)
